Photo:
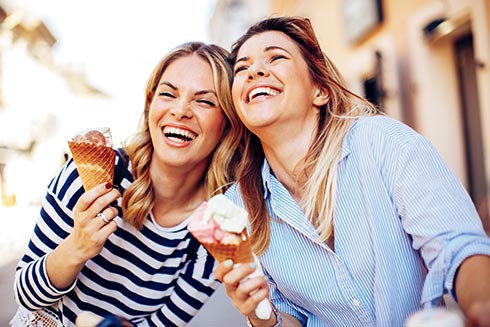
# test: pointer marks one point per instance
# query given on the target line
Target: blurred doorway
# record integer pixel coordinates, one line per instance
(466, 66)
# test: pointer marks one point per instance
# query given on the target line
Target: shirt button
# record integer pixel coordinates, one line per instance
(356, 302)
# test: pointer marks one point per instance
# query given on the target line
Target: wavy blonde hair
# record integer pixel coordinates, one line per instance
(320, 164)
(137, 200)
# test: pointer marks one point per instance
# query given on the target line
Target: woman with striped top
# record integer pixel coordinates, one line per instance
(139, 262)
(355, 218)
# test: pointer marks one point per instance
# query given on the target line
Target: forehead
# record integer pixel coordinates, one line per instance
(189, 71)
(263, 41)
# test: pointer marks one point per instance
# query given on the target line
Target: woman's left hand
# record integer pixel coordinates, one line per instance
(473, 290)
(478, 314)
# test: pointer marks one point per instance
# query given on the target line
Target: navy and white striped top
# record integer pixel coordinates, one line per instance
(153, 277)
(403, 224)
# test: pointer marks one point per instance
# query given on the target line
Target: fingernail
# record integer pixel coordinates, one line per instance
(228, 263)
(253, 265)
(108, 186)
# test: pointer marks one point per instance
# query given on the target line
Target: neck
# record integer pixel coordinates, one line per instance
(177, 194)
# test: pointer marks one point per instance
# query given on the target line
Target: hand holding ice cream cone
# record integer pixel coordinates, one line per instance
(221, 227)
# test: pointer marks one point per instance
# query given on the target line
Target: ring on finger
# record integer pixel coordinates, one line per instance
(103, 217)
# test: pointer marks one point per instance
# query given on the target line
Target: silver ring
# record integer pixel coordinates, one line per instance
(103, 217)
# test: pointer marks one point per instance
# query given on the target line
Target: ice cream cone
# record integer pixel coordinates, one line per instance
(239, 253)
(95, 163)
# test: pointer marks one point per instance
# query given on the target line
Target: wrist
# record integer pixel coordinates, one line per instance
(274, 321)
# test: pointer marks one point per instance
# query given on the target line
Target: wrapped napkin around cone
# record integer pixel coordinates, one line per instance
(94, 156)
(221, 227)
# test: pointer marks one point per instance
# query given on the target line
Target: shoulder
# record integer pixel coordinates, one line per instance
(67, 178)
(381, 126)
(380, 132)
(233, 193)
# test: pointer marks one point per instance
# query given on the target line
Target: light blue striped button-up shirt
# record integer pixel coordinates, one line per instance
(403, 224)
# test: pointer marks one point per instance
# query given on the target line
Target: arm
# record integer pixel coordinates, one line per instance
(87, 238)
(40, 283)
(473, 289)
(439, 215)
(193, 287)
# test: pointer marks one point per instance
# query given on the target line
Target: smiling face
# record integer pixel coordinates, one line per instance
(185, 120)
(272, 86)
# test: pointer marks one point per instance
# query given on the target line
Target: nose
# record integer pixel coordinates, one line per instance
(182, 110)
(258, 69)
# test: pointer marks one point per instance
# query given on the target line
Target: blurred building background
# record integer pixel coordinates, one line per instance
(42, 103)
(426, 62)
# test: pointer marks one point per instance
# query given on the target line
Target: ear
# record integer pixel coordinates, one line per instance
(320, 96)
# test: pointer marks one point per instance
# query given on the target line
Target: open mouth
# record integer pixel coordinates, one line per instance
(178, 135)
(261, 92)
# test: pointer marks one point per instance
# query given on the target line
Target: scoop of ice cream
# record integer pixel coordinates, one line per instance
(218, 220)
(203, 230)
(98, 136)
(231, 239)
(230, 217)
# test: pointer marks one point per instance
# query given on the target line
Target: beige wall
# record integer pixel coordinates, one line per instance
(420, 76)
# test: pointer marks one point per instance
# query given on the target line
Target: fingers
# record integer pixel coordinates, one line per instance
(93, 213)
(97, 198)
(106, 216)
(94, 202)
(244, 291)
(235, 273)
(223, 268)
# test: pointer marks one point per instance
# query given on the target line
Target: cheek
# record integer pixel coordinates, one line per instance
(220, 123)
(151, 110)
(216, 126)
(211, 122)
(155, 113)
(235, 91)
(236, 95)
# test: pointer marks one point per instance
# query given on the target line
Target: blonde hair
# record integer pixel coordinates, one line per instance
(320, 165)
(137, 200)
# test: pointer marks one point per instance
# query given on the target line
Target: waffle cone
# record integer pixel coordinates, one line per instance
(95, 163)
(239, 253)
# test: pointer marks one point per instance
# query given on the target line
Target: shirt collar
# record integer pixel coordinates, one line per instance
(266, 178)
(266, 169)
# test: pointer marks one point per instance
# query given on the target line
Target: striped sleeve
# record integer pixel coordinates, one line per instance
(194, 287)
(438, 213)
(32, 287)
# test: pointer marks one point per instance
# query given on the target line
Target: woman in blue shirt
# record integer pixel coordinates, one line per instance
(355, 218)
(137, 260)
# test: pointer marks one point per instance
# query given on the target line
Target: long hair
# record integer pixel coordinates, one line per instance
(137, 200)
(320, 164)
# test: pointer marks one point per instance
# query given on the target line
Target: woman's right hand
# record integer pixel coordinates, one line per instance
(88, 237)
(93, 223)
(244, 292)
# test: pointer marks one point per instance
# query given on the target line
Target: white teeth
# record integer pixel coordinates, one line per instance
(265, 90)
(179, 132)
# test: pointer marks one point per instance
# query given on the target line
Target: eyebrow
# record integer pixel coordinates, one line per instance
(168, 84)
(202, 92)
(206, 92)
(269, 48)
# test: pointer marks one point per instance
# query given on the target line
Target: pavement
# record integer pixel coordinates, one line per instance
(16, 225)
